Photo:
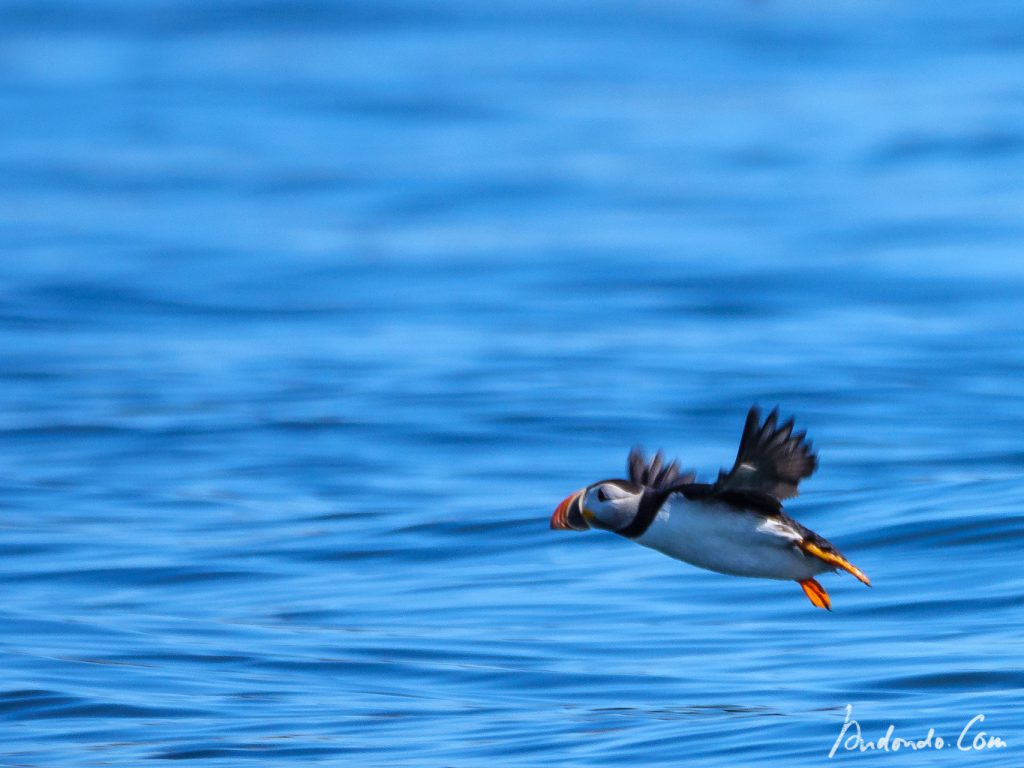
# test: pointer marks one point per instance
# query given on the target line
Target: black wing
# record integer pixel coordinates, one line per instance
(771, 459)
(655, 475)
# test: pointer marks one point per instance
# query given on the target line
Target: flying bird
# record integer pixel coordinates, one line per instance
(735, 525)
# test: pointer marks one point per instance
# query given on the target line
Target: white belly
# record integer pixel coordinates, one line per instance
(723, 539)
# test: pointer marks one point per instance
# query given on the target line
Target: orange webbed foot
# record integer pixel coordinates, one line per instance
(816, 594)
(834, 559)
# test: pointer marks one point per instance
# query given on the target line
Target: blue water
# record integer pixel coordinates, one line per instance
(311, 313)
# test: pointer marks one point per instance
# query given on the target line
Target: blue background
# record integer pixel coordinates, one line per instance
(311, 312)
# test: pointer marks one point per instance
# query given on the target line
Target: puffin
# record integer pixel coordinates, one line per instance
(734, 526)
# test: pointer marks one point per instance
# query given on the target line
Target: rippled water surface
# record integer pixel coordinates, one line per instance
(311, 313)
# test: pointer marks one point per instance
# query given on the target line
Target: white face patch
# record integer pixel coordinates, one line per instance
(611, 506)
(614, 492)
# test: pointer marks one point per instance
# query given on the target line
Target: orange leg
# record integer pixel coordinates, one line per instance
(816, 594)
(834, 559)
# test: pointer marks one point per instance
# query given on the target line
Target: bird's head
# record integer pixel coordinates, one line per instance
(609, 504)
(614, 504)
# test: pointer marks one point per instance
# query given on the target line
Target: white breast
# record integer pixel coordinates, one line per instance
(724, 539)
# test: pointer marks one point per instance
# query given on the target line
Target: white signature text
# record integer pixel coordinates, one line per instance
(970, 739)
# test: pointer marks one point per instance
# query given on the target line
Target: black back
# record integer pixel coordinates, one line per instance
(770, 463)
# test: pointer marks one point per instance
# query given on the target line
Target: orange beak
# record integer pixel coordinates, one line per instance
(568, 515)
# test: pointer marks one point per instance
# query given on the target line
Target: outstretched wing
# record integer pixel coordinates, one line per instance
(656, 475)
(771, 460)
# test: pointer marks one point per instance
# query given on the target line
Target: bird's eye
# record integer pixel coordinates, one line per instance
(601, 495)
